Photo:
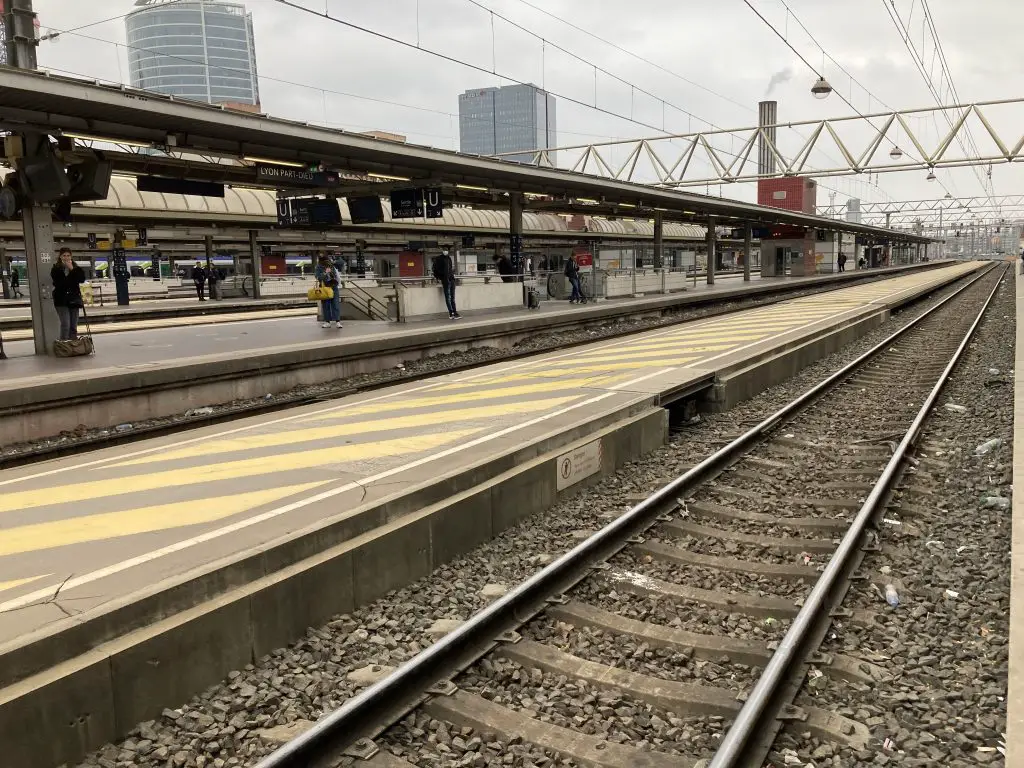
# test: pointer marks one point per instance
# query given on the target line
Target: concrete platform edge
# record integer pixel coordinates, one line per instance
(1015, 689)
(733, 386)
(59, 715)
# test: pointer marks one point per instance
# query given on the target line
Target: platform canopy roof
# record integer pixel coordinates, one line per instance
(40, 101)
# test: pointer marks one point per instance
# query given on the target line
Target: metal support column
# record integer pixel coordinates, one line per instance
(257, 264)
(119, 268)
(515, 238)
(5, 270)
(40, 258)
(37, 220)
(712, 256)
(659, 246)
(210, 290)
(748, 251)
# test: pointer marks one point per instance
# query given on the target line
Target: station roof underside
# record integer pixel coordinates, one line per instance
(40, 101)
(258, 206)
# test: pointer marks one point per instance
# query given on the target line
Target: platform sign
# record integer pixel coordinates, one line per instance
(286, 177)
(585, 259)
(433, 203)
(308, 212)
(577, 464)
(416, 202)
(406, 203)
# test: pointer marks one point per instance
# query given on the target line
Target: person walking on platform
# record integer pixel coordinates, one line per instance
(842, 261)
(505, 269)
(444, 272)
(199, 279)
(16, 284)
(327, 276)
(213, 276)
(572, 271)
(67, 293)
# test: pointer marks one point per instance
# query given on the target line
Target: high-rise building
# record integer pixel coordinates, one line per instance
(514, 118)
(194, 49)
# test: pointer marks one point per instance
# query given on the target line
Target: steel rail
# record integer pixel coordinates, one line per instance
(284, 402)
(748, 723)
(365, 714)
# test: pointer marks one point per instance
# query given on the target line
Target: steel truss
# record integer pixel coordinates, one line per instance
(650, 156)
(950, 210)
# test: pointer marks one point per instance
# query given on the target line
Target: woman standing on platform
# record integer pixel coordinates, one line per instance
(67, 293)
(327, 276)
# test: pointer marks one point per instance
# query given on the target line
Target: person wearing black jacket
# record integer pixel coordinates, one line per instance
(505, 269)
(199, 278)
(572, 271)
(444, 272)
(67, 293)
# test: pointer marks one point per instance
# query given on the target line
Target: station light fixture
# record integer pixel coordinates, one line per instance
(896, 153)
(268, 161)
(471, 188)
(387, 177)
(821, 88)
(107, 140)
(931, 175)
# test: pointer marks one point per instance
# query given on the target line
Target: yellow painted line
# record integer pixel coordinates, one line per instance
(590, 381)
(639, 356)
(232, 470)
(434, 418)
(5, 585)
(450, 399)
(678, 348)
(638, 366)
(113, 525)
(703, 336)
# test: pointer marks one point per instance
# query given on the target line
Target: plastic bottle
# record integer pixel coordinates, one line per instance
(892, 597)
(987, 446)
(996, 502)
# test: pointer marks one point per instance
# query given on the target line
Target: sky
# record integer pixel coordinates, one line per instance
(708, 64)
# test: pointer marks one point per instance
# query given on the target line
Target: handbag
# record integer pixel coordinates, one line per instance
(320, 293)
(81, 347)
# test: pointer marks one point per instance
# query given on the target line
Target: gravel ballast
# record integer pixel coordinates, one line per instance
(945, 645)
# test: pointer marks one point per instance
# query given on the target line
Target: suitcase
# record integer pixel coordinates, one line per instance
(533, 299)
(81, 347)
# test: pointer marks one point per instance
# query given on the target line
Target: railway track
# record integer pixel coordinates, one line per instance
(682, 632)
(70, 444)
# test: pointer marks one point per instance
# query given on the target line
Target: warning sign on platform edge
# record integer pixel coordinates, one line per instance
(577, 464)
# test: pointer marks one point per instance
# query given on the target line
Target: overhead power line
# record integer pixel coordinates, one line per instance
(918, 60)
(814, 69)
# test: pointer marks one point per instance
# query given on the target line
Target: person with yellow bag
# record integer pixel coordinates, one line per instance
(327, 292)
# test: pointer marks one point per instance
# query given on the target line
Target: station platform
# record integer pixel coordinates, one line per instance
(14, 319)
(1015, 686)
(204, 364)
(133, 577)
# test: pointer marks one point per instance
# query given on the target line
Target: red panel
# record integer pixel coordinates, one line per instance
(273, 264)
(410, 264)
(584, 258)
(793, 193)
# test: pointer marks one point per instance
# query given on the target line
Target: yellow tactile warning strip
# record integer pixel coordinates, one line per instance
(89, 518)
(177, 322)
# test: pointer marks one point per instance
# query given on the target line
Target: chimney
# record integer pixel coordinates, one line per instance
(767, 114)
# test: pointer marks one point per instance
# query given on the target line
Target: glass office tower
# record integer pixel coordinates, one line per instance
(196, 49)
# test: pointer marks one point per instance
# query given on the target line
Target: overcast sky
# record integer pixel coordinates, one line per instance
(720, 45)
